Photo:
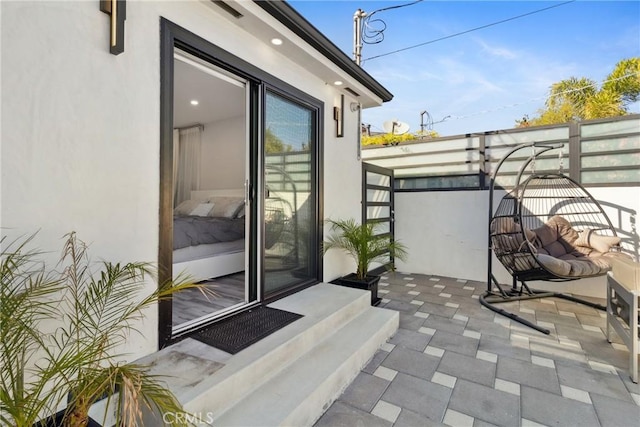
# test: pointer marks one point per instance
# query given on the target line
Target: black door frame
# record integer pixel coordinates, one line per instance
(316, 186)
(173, 36)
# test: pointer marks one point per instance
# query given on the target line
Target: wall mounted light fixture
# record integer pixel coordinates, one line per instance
(117, 9)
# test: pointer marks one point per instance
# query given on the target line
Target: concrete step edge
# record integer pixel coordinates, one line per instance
(300, 394)
(262, 361)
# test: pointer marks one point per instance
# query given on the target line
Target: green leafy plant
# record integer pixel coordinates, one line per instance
(393, 139)
(25, 289)
(96, 307)
(363, 243)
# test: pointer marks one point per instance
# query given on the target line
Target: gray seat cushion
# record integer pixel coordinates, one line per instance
(565, 252)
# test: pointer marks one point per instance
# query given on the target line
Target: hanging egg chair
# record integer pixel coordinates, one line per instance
(548, 227)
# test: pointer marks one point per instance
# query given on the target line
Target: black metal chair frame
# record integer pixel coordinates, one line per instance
(497, 293)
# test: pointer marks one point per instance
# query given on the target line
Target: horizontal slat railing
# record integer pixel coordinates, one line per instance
(596, 153)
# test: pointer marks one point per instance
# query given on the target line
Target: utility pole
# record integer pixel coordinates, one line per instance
(357, 57)
(357, 35)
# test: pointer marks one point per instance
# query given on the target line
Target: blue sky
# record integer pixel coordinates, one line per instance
(486, 79)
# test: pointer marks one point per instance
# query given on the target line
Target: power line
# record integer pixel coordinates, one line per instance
(372, 35)
(398, 6)
(504, 107)
(467, 31)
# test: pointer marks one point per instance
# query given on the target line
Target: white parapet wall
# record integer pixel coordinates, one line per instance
(446, 233)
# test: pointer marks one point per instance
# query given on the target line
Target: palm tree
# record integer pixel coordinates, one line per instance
(625, 81)
(577, 99)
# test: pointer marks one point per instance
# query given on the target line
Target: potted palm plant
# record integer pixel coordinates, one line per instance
(366, 246)
(79, 362)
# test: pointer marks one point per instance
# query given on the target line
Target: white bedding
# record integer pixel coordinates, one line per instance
(205, 251)
(211, 260)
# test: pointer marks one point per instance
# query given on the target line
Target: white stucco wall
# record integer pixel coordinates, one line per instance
(343, 184)
(80, 128)
(446, 233)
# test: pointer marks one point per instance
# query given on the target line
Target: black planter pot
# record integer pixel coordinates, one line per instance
(368, 283)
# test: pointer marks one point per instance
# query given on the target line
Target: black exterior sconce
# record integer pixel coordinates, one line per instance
(117, 9)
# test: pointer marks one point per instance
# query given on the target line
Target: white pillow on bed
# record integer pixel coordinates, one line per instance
(227, 207)
(186, 207)
(203, 209)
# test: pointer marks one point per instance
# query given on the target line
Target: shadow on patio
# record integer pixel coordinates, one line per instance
(454, 362)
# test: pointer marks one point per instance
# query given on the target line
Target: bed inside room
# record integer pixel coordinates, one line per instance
(209, 234)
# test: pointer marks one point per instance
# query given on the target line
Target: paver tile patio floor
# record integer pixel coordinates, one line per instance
(453, 362)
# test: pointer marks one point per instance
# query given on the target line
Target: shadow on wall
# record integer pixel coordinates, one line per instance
(623, 215)
(620, 216)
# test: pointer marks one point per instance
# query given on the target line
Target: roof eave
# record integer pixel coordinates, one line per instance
(295, 22)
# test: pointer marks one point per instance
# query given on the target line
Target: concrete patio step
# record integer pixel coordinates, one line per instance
(299, 393)
(339, 332)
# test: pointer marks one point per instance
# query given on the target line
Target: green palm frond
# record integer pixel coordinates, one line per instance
(97, 307)
(26, 295)
(576, 99)
(363, 243)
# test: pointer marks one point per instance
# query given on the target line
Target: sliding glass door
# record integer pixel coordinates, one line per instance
(239, 152)
(290, 199)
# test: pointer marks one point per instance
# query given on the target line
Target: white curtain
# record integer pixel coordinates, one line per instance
(187, 167)
(176, 157)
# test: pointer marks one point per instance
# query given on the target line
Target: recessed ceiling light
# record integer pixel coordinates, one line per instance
(194, 102)
(276, 41)
(338, 83)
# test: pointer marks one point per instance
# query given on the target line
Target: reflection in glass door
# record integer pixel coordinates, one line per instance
(289, 196)
(209, 174)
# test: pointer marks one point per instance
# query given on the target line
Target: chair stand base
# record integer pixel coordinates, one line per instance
(489, 298)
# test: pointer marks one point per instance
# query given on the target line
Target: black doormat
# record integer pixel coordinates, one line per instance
(240, 331)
